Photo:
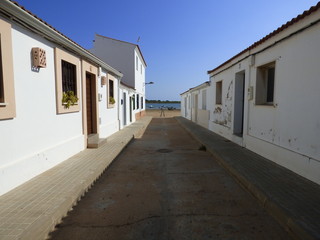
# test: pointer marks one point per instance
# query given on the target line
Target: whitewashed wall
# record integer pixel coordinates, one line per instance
(116, 54)
(139, 81)
(38, 138)
(288, 131)
(108, 117)
(124, 108)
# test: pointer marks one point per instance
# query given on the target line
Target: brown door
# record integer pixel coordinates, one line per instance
(91, 104)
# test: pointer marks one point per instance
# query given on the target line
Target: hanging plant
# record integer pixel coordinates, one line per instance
(69, 99)
(111, 100)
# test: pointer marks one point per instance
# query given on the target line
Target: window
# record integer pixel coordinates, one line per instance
(1, 79)
(67, 79)
(137, 63)
(138, 101)
(265, 84)
(141, 102)
(111, 88)
(204, 99)
(133, 101)
(7, 96)
(111, 98)
(219, 92)
(141, 68)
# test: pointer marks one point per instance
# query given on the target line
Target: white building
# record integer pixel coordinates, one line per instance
(195, 104)
(38, 65)
(265, 98)
(128, 59)
(126, 104)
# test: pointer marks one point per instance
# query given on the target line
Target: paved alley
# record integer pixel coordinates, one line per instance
(166, 186)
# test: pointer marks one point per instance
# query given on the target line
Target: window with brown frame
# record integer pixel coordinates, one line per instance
(69, 77)
(110, 92)
(1, 79)
(67, 81)
(7, 95)
(111, 88)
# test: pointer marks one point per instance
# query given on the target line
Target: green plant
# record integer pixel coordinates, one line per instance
(111, 100)
(69, 99)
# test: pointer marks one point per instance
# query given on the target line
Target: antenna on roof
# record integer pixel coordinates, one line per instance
(138, 39)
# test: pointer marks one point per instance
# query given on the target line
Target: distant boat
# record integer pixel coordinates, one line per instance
(151, 106)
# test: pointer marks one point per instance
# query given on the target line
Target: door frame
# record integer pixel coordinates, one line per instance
(239, 102)
(124, 108)
(93, 70)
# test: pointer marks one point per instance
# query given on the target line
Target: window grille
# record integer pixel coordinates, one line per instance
(111, 91)
(69, 78)
(1, 79)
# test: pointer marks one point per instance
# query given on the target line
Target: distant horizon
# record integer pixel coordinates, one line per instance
(162, 101)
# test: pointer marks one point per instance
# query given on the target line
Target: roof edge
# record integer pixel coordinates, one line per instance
(271, 35)
(19, 13)
(205, 84)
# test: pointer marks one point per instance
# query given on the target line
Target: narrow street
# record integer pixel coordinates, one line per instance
(166, 186)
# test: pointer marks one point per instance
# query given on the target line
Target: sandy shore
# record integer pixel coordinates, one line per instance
(168, 113)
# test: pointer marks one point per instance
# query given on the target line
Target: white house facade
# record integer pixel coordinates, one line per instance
(38, 67)
(265, 98)
(126, 104)
(128, 59)
(195, 104)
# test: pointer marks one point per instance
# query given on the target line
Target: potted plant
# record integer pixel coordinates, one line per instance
(69, 99)
(111, 100)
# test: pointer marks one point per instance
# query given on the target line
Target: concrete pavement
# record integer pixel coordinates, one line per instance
(163, 187)
(31, 210)
(293, 200)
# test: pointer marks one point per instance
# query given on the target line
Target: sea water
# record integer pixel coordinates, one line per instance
(165, 105)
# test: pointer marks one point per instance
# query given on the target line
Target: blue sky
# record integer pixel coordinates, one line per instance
(180, 39)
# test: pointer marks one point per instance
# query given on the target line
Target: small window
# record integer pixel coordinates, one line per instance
(141, 68)
(7, 96)
(67, 80)
(111, 88)
(141, 102)
(133, 101)
(111, 100)
(219, 92)
(1, 79)
(265, 84)
(69, 77)
(204, 99)
(137, 63)
(138, 101)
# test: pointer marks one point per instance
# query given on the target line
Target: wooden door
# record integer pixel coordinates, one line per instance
(90, 104)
